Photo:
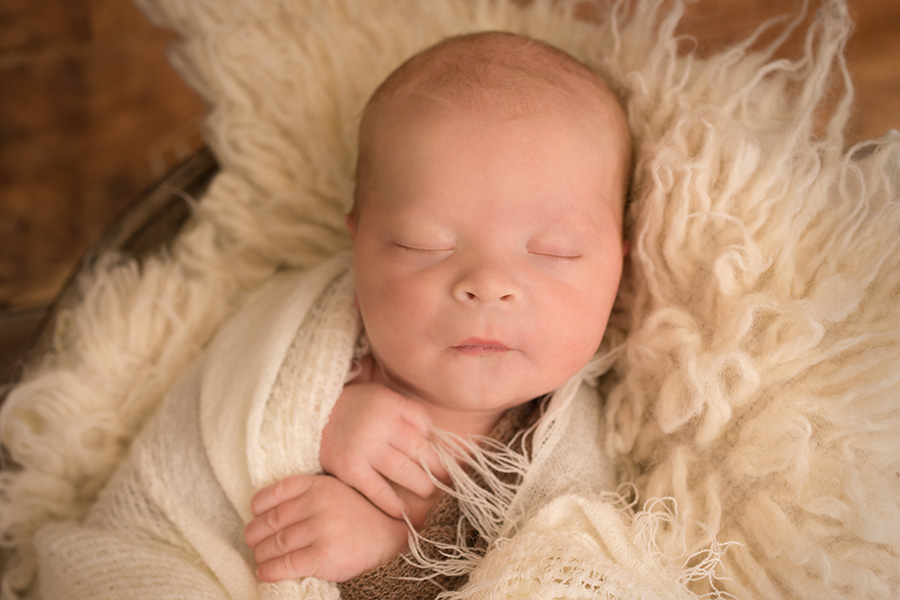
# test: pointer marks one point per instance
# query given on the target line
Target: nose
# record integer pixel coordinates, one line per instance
(485, 284)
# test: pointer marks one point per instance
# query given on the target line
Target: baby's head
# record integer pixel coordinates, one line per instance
(488, 223)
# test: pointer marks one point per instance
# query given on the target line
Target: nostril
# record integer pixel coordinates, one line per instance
(486, 295)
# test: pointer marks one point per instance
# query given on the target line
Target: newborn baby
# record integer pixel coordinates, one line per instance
(488, 249)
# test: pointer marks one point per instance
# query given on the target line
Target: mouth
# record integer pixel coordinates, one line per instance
(475, 346)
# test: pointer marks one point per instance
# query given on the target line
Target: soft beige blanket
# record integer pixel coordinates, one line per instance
(754, 395)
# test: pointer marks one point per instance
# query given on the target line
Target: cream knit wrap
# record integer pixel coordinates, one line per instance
(754, 391)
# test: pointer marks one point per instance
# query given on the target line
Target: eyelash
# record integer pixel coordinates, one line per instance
(558, 257)
(422, 250)
(554, 257)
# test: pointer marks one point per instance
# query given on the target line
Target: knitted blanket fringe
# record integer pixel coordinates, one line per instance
(755, 387)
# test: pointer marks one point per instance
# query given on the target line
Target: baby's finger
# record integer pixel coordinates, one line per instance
(380, 493)
(429, 456)
(281, 516)
(416, 446)
(263, 527)
(273, 495)
(303, 562)
(396, 466)
(285, 541)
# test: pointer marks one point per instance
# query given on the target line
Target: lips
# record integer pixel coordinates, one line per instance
(480, 346)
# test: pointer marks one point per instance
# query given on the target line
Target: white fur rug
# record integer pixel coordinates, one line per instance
(756, 387)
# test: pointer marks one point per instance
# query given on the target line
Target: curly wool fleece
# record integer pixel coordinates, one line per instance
(755, 383)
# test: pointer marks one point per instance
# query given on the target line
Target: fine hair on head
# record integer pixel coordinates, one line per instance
(489, 74)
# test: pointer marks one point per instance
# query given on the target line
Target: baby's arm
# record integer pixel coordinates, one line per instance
(318, 526)
(376, 440)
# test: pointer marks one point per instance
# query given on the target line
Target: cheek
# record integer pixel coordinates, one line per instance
(394, 309)
(575, 323)
(578, 332)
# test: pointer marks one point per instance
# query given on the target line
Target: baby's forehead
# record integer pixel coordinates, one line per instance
(496, 71)
(491, 77)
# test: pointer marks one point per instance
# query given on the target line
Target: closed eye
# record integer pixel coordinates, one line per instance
(558, 257)
(422, 250)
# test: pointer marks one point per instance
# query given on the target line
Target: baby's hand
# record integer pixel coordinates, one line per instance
(317, 526)
(376, 437)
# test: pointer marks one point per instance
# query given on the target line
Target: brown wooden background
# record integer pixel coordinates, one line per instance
(91, 113)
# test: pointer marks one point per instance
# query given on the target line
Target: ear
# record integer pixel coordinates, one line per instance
(351, 226)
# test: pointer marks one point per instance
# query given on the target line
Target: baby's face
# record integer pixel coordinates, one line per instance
(488, 255)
